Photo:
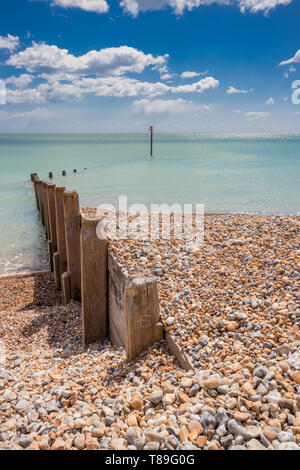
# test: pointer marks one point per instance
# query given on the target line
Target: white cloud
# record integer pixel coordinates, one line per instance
(146, 106)
(232, 91)
(292, 69)
(42, 58)
(29, 95)
(254, 116)
(253, 6)
(20, 82)
(63, 76)
(38, 113)
(166, 76)
(9, 42)
(118, 86)
(204, 84)
(188, 74)
(270, 100)
(96, 6)
(294, 59)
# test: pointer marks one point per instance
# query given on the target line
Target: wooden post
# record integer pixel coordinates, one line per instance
(142, 315)
(60, 229)
(72, 231)
(40, 198)
(65, 286)
(35, 179)
(52, 216)
(46, 211)
(57, 277)
(52, 239)
(93, 282)
(51, 254)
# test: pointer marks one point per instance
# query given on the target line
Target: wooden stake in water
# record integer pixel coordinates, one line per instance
(151, 140)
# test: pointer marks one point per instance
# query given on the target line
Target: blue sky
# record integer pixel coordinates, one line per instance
(206, 66)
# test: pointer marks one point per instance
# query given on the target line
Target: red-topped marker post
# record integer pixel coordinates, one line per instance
(151, 140)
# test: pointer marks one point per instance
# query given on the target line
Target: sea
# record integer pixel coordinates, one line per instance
(226, 173)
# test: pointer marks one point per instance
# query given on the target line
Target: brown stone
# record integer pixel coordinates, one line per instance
(136, 402)
(58, 444)
(202, 441)
(296, 376)
(211, 383)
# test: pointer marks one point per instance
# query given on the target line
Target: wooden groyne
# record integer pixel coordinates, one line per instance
(115, 305)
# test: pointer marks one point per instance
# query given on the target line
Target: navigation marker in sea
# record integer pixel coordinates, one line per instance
(151, 140)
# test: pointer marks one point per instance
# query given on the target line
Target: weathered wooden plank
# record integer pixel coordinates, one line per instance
(116, 286)
(183, 359)
(72, 232)
(57, 277)
(93, 282)
(34, 179)
(46, 211)
(50, 253)
(40, 198)
(52, 216)
(141, 306)
(65, 287)
(60, 229)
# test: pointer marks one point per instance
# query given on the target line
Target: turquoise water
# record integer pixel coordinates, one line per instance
(226, 173)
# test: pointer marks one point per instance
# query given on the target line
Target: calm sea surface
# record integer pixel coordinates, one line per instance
(226, 173)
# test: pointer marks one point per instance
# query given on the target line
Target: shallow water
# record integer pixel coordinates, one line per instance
(226, 173)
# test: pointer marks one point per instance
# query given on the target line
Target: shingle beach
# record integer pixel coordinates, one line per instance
(233, 307)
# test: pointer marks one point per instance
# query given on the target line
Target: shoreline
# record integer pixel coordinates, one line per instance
(91, 211)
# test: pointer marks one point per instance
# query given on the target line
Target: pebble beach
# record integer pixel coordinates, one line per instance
(233, 306)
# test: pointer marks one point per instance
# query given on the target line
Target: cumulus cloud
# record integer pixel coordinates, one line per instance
(63, 76)
(166, 76)
(253, 6)
(232, 91)
(55, 90)
(120, 87)
(294, 59)
(255, 115)
(42, 58)
(9, 42)
(20, 82)
(188, 74)
(146, 106)
(207, 83)
(96, 6)
(270, 100)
